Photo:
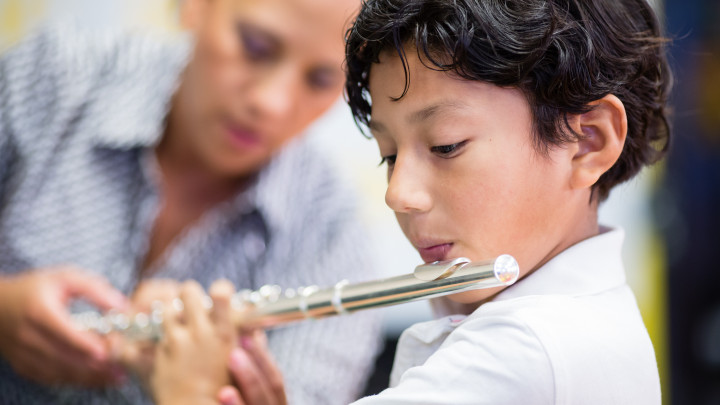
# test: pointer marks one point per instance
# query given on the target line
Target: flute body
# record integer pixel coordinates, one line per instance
(428, 281)
(269, 306)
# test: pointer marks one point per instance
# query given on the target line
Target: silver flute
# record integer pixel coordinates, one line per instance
(271, 306)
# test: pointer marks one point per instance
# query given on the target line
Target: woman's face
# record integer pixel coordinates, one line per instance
(263, 70)
(464, 178)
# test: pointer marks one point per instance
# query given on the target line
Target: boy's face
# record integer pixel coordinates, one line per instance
(466, 179)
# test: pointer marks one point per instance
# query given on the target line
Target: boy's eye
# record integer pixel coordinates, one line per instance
(447, 151)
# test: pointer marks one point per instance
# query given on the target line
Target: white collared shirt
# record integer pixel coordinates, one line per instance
(569, 333)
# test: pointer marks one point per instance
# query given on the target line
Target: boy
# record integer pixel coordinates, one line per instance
(504, 124)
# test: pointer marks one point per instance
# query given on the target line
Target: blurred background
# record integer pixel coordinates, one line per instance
(671, 213)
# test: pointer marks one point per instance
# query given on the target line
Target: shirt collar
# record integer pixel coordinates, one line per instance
(131, 102)
(261, 194)
(591, 266)
(269, 193)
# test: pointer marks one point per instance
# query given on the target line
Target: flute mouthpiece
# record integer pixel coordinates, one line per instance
(506, 269)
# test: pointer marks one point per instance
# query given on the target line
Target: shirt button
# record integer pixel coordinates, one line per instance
(254, 246)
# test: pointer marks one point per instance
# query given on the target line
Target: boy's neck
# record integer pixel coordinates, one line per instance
(583, 225)
(580, 225)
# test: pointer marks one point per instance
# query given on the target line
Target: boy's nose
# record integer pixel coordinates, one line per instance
(407, 190)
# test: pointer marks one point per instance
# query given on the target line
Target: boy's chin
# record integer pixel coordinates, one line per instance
(475, 297)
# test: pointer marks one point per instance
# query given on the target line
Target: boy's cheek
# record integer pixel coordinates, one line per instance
(475, 296)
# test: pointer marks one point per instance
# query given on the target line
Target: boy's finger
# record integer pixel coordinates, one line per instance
(149, 291)
(171, 326)
(196, 315)
(221, 293)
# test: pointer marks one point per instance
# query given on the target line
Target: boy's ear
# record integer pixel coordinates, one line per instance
(192, 13)
(603, 131)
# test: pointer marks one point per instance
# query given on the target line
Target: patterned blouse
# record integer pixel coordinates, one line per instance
(80, 113)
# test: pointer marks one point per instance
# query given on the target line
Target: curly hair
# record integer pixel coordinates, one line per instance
(562, 54)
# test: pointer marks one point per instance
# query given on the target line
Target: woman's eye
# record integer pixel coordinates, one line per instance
(389, 159)
(321, 79)
(256, 46)
(447, 151)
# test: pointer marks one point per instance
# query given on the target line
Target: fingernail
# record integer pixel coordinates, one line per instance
(121, 301)
(246, 342)
(227, 401)
(225, 396)
(237, 359)
(261, 338)
(99, 354)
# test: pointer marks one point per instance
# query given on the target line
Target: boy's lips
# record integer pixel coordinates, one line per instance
(434, 252)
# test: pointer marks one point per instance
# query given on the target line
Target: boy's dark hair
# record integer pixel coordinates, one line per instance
(563, 54)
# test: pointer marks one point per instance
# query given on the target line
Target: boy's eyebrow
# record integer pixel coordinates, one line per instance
(423, 113)
(435, 108)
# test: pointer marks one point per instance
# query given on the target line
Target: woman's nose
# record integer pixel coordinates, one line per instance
(273, 96)
(408, 190)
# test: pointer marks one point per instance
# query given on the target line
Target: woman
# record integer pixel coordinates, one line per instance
(128, 157)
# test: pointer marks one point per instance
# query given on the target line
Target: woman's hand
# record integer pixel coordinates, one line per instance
(191, 360)
(37, 336)
(258, 380)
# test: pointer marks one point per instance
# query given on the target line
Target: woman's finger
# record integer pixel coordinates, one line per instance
(49, 352)
(255, 344)
(230, 396)
(249, 379)
(54, 320)
(93, 288)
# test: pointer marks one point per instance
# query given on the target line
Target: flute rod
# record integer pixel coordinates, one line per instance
(450, 277)
(268, 308)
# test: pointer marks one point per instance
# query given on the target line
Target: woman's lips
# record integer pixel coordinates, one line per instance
(435, 253)
(243, 138)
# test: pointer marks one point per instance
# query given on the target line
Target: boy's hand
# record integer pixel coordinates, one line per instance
(191, 360)
(139, 356)
(258, 380)
(37, 336)
(154, 289)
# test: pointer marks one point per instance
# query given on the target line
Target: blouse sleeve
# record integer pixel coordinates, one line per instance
(8, 153)
(33, 80)
(45, 82)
